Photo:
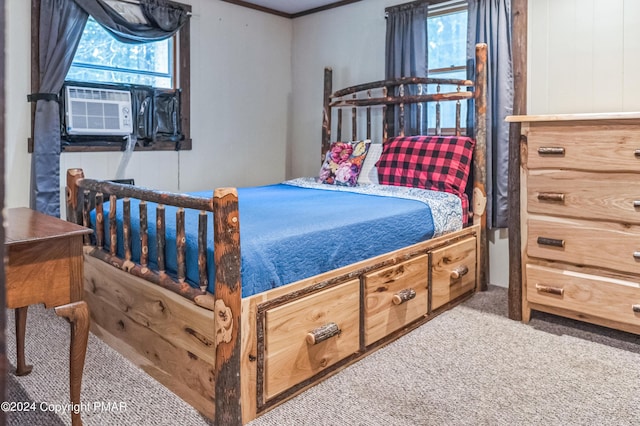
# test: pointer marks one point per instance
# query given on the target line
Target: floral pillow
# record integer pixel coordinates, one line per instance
(343, 163)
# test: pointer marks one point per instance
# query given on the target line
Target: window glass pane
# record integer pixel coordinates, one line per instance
(101, 58)
(447, 35)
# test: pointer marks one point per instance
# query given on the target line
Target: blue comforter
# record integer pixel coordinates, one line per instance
(295, 230)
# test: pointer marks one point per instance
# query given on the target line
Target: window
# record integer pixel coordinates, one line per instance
(447, 55)
(101, 58)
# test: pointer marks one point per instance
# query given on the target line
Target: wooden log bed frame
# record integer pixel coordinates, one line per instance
(232, 358)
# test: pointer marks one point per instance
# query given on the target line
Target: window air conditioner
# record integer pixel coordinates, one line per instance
(97, 111)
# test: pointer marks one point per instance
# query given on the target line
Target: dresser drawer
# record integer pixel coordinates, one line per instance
(297, 345)
(394, 297)
(584, 195)
(600, 297)
(582, 145)
(453, 271)
(600, 244)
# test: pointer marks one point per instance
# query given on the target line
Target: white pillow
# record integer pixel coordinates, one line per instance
(369, 171)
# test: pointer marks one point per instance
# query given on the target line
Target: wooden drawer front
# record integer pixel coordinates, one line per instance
(600, 244)
(592, 146)
(608, 196)
(289, 357)
(453, 271)
(385, 308)
(601, 297)
(41, 272)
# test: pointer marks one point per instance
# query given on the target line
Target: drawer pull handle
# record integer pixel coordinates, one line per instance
(636, 203)
(323, 333)
(636, 255)
(551, 290)
(459, 272)
(403, 296)
(551, 150)
(557, 197)
(554, 242)
(636, 308)
(637, 153)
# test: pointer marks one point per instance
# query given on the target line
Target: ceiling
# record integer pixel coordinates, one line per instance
(291, 8)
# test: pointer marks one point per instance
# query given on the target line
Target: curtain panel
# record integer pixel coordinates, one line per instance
(163, 20)
(60, 29)
(406, 56)
(61, 26)
(490, 22)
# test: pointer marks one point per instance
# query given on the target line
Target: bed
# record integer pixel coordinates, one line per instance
(237, 322)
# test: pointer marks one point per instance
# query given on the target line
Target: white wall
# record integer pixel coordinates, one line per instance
(584, 56)
(240, 106)
(349, 39)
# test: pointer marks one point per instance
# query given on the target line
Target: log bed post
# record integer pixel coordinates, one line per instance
(480, 161)
(228, 303)
(326, 112)
(73, 209)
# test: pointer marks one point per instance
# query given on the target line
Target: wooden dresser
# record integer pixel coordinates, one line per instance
(580, 217)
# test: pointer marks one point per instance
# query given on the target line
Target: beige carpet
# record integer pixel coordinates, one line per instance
(469, 366)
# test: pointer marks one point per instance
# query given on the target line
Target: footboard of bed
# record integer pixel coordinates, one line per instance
(152, 323)
(165, 334)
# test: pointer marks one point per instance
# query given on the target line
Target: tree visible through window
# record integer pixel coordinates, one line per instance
(100, 58)
(447, 56)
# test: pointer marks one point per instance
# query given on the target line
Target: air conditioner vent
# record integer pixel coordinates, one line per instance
(98, 111)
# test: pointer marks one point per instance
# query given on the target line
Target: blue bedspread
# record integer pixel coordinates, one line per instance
(294, 230)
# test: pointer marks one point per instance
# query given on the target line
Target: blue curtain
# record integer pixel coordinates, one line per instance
(61, 25)
(406, 56)
(490, 22)
(163, 20)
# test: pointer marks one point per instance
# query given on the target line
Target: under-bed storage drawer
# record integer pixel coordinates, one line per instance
(308, 335)
(453, 271)
(394, 297)
(592, 295)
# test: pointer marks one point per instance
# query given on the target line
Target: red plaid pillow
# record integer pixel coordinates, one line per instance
(440, 163)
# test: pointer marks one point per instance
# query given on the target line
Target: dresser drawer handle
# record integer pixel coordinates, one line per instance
(636, 308)
(550, 150)
(636, 203)
(554, 242)
(403, 296)
(557, 197)
(637, 153)
(550, 290)
(323, 333)
(636, 255)
(459, 272)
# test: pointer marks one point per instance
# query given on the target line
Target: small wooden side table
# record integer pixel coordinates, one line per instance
(44, 265)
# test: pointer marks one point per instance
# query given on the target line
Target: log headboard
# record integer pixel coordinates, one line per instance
(357, 103)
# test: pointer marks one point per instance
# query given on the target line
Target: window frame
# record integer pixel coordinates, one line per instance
(439, 10)
(182, 71)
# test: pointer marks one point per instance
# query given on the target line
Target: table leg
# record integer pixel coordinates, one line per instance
(22, 369)
(78, 315)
